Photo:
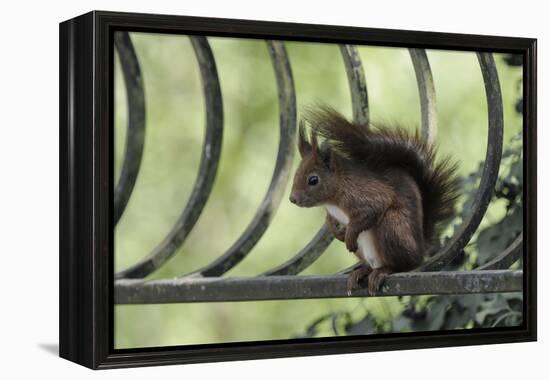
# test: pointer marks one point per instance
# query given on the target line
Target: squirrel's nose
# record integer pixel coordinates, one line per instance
(292, 199)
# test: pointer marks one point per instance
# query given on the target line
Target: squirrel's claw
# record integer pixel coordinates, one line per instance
(376, 279)
(355, 277)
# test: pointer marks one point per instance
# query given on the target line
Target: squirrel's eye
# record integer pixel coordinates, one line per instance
(312, 180)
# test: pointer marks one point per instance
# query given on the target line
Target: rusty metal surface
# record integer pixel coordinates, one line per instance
(207, 170)
(306, 287)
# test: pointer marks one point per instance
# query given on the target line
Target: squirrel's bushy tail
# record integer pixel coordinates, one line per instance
(383, 147)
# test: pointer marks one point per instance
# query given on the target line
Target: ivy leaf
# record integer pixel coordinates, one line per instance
(471, 301)
(516, 170)
(496, 238)
(436, 315)
(313, 329)
(490, 308)
(457, 317)
(367, 325)
(401, 324)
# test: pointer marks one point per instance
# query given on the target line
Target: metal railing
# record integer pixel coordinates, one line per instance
(207, 284)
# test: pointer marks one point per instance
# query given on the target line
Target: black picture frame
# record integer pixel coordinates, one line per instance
(86, 170)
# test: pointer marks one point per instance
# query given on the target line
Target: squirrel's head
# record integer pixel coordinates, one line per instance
(315, 181)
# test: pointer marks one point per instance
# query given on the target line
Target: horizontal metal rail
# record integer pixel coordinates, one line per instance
(129, 291)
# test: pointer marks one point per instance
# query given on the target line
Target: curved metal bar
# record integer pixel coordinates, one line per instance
(357, 83)
(426, 91)
(507, 257)
(135, 136)
(359, 97)
(490, 169)
(207, 169)
(349, 269)
(307, 255)
(287, 134)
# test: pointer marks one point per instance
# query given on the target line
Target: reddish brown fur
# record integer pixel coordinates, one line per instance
(385, 180)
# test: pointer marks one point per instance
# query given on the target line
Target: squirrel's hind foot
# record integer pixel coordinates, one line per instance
(355, 277)
(376, 279)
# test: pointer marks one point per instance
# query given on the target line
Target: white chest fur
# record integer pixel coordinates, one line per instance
(365, 240)
(338, 214)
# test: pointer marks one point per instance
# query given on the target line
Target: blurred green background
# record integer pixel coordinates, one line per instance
(175, 119)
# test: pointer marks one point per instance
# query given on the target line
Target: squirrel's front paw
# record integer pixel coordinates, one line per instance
(338, 230)
(340, 233)
(351, 243)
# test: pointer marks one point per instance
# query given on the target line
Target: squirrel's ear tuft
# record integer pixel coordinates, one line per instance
(329, 159)
(314, 142)
(303, 145)
(334, 164)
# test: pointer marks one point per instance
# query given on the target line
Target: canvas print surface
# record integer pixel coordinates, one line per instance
(275, 190)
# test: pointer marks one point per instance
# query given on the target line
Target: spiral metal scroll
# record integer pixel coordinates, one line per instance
(360, 107)
(357, 83)
(426, 91)
(306, 256)
(287, 133)
(490, 169)
(207, 169)
(507, 257)
(135, 137)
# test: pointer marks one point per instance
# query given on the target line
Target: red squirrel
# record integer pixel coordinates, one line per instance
(383, 184)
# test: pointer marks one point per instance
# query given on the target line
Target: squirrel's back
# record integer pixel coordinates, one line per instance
(380, 148)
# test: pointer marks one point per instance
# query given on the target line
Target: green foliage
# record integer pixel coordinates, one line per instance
(493, 237)
(425, 314)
